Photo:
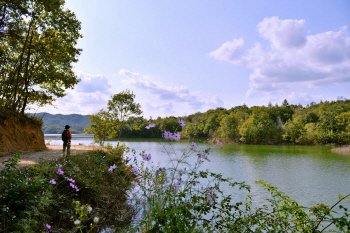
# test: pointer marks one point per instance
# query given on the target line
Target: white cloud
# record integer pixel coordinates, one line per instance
(165, 108)
(194, 99)
(292, 59)
(229, 51)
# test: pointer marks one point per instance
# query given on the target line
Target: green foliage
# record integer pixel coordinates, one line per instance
(29, 201)
(109, 124)
(228, 130)
(37, 47)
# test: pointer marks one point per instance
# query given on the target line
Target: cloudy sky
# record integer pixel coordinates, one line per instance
(181, 57)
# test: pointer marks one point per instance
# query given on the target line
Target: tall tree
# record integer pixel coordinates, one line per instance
(38, 47)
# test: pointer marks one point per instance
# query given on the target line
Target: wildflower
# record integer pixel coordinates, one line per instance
(96, 219)
(112, 167)
(89, 209)
(60, 172)
(182, 123)
(168, 181)
(218, 142)
(135, 171)
(48, 226)
(139, 218)
(168, 135)
(150, 126)
(147, 157)
(178, 183)
(52, 181)
(72, 185)
(199, 155)
(176, 136)
(76, 222)
(193, 145)
(206, 158)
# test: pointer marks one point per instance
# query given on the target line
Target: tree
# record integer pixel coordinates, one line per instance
(102, 126)
(37, 46)
(121, 107)
(109, 124)
(228, 129)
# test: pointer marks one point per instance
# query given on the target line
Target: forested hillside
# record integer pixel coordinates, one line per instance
(325, 122)
(55, 123)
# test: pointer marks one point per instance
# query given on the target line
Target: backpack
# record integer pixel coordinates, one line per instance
(64, 135)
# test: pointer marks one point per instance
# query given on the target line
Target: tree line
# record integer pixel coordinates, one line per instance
(322, 123)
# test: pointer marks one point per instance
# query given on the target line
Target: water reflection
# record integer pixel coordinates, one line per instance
(308, 174)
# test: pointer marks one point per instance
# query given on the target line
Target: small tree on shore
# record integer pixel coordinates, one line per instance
(109, 124)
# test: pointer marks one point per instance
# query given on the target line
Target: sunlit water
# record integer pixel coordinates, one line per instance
(307, 174)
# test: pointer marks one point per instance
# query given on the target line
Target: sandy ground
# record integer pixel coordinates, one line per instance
(32, 157)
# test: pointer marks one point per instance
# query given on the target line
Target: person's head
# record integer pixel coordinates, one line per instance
(67, 127)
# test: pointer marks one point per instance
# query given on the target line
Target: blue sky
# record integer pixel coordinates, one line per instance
(181, 57)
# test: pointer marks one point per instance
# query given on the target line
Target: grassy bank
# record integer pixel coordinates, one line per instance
(66, 194)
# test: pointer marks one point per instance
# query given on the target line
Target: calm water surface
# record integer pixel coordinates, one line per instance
(307, 174)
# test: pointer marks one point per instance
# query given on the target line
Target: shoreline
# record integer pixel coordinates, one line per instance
(51, 152)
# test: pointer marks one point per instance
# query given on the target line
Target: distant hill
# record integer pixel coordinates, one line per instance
(54, 123)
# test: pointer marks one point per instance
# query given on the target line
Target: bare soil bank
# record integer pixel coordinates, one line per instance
(50, 152)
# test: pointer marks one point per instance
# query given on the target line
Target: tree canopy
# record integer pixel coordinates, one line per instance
(37, 48)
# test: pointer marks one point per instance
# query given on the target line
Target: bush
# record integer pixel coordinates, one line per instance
(57, 193)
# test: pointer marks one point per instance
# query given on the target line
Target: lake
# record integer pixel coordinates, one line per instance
(307, 174)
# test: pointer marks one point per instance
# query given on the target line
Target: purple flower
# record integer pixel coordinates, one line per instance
(178, 183)
(176, 136)
(193, 145)
(139, 218)
(206, 158)
(72, 185)
(52, 181)
(60, 172)
(211, 196)
(168, 181)
(135, 171)
(199, 155)
(147, 157)
(112, 167)
(182, 123)
(168, 135)
(218, 142)
(150, 126)
(48, 226)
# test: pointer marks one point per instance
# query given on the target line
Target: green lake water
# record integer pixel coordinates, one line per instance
(307, 174)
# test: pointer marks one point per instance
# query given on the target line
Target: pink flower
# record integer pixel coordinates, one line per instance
(60, 172)
(52, 181)
(182, 123)
(193, 145)
(147, 157)
(48, 226)
(139, 218)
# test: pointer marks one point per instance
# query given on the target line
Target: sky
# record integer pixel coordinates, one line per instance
(187, 56)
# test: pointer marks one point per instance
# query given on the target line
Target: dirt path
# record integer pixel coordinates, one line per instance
(32, 157)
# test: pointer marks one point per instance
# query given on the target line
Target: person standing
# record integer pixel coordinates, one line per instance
(66, 138)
